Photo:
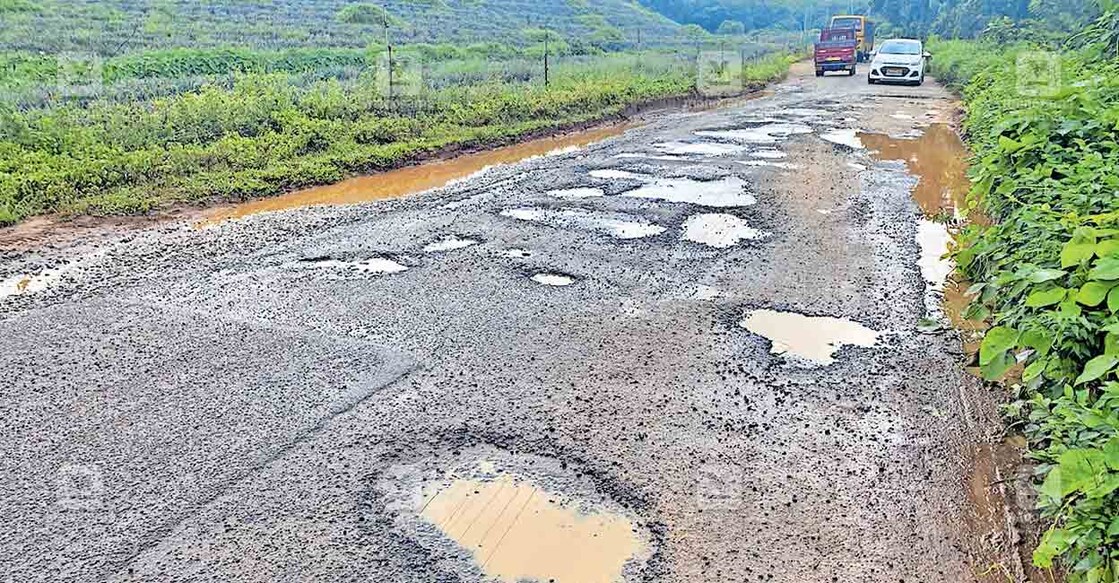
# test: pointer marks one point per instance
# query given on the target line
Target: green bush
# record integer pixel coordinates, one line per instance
(1046, 273)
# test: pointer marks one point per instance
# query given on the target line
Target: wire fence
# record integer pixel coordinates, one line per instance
(406, 74)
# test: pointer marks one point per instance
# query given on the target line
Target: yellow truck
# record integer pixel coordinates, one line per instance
(864, 32)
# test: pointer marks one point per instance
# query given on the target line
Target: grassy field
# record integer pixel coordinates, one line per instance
(271, 130)
(128, 105)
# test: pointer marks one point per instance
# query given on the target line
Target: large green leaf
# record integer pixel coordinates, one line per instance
(1044, 275)
(1107, 248)
(1093, 293)
(997, 341)
(1097, 367)
(1040, 299)
(1113, 300)
(1106, 268)
(1080, 248)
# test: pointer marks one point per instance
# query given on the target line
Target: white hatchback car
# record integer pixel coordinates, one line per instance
(899, 60)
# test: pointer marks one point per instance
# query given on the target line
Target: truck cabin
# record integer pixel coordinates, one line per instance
(855, 22)
(829, 35)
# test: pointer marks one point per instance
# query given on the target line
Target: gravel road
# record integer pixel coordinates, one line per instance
(686, 353)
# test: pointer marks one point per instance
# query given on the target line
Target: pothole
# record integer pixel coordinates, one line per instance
(811, 339)
(843, 137)
(25, 283)
(769, 163)
(449, 244)
(576, 193)
(516, 531)
(553, 279)
(373, 265)
(493, 515)
(699, 149)
(938, 158)
(764, 134)
(615, 224)
(718, 230)
(614, 174)
(769, 154)
(640, 156)
(726, 192)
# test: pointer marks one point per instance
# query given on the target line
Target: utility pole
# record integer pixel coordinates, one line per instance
(385, 19)
(546, 79)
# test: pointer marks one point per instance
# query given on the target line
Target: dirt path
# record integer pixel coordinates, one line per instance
(686, 353)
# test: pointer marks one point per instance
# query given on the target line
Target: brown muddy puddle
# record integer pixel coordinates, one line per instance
(938, 158)
(413, 179)
(516, 531)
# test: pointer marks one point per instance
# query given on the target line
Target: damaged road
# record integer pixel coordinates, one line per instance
(688, 352)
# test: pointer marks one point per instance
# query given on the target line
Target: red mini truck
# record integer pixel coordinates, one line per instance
(836, 51)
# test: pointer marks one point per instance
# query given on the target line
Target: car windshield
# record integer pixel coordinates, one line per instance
(900, 48)
(846, 23)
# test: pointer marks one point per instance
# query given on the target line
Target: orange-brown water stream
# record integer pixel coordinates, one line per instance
(412, 179)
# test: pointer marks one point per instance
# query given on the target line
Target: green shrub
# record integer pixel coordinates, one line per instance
(1046, 273)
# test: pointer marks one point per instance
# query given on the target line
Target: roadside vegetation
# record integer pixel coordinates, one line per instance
(131, 106)
(1043, 123)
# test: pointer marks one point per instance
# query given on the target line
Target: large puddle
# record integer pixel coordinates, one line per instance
(938, 158)
(616, 225)
(718, 230)
(518, 532)
(413, 179)
(726, 192)
(814, 339)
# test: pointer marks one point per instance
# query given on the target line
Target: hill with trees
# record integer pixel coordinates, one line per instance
(113, 27)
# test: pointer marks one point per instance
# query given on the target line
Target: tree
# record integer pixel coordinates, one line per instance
(731, 28)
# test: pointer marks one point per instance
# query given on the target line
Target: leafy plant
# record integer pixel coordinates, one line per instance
(1047, 276)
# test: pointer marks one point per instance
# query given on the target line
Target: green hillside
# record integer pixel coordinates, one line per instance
(112, 27)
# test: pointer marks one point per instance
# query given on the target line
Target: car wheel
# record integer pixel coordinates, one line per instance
(851, 72)
(869, 81)
(819, 73)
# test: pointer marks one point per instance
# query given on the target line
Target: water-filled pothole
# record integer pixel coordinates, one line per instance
(576, 193)
(553, 279)
(763, 134)
(373, 265)
(616, 225)
(615, 174)
(718, 230)
(811, 339)
(699, 148)
(725, 192)
(938, 159)
(769, 163)
(844, 137)
(27, 284)
(449, 244)
(516, 531)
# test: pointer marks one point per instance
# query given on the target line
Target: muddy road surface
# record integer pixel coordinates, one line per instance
(694, 351)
